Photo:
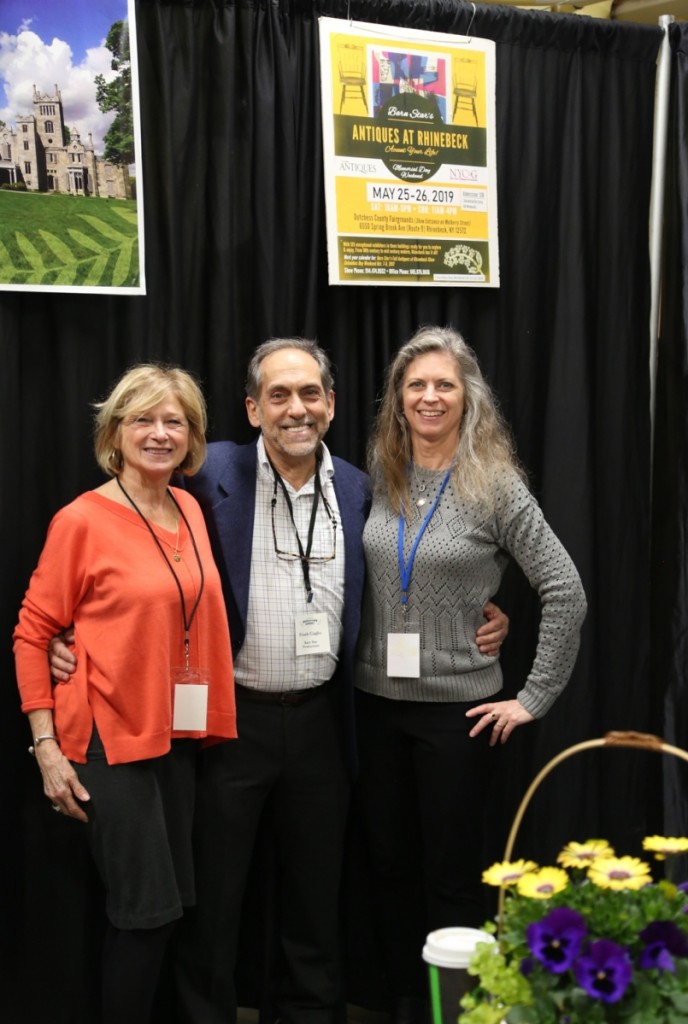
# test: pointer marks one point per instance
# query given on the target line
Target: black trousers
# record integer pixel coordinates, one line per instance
(422, 789)
(288, 762)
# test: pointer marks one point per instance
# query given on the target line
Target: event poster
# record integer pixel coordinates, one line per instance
(410, 156)
(71, 205)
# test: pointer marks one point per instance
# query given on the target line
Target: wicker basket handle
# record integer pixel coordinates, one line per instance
(637, 740)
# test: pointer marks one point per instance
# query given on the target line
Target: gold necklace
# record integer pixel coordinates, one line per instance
(175, 554)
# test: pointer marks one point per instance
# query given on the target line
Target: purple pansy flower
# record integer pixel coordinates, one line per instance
(663, 941)
(684, 888)
(556, 939)
(604, 970)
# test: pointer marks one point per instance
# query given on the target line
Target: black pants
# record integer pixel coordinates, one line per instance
(422, 790)
(288, 760)
(139, 832)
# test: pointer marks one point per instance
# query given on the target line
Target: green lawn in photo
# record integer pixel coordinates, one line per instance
(57, 239)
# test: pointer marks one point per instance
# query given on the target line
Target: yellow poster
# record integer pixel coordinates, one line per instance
(410, 156)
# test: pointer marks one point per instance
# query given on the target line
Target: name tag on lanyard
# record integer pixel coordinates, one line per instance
(403, 655)
(312, 634)
(190, 700)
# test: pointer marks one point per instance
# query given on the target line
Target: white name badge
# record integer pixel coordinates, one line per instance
(190, 701)
(312, 634)
(403, 655)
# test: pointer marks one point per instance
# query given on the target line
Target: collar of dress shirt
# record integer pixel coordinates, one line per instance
(264, 467)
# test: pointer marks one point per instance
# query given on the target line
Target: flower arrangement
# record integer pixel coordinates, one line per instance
(592, 940)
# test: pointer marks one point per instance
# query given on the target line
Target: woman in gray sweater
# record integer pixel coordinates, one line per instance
(450, 508)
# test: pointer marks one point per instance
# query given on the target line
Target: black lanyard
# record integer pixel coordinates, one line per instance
(304, 556)
(187, 622)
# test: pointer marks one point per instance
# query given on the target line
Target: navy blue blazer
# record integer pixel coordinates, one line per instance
(225, 488)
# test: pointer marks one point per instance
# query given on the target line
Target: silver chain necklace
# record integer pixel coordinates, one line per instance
(421, 487)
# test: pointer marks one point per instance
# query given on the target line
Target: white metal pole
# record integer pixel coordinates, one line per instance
(657, 206)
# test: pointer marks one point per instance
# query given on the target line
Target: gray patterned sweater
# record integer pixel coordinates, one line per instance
(458, 567)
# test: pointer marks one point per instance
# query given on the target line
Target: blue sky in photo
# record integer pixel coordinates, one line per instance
(81, 23)
(44, 43)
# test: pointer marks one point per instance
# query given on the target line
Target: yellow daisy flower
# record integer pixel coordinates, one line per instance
(507, 873)
(665, 846)
(542, 884)
(582, 855)
(620, 873)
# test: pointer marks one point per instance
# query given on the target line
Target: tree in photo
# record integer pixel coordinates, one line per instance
(116, 95)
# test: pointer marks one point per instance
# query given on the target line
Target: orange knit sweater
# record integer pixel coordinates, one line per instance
(101, 570)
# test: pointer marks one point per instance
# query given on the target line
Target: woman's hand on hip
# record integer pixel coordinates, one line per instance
(503, 715)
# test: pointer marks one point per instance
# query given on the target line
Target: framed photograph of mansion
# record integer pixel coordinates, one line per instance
(71, 202)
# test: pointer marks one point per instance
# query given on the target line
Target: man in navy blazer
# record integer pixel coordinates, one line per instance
(226, 490)
(286, 522)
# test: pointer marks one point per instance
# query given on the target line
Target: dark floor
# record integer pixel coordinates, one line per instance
(356, 1015)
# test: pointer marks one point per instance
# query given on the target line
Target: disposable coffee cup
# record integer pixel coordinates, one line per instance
(447, 953)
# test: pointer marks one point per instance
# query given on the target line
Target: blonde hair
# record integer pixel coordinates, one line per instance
(137, 391)
(484, 448)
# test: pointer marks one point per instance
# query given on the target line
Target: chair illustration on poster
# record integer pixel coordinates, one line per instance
(464, 97)
(467, 73)
(352, 73)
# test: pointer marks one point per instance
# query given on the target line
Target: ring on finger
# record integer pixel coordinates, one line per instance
(56, 807)
(493, 715)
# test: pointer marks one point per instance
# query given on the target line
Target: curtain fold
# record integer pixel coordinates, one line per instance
(670, 508)
(235, 252)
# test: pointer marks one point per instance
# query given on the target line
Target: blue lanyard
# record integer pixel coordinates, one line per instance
(406, 568)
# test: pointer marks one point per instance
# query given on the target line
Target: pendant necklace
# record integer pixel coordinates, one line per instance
(175, 554)
(187, 620)
(422, 487)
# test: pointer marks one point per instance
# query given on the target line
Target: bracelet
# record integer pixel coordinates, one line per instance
(37, 740)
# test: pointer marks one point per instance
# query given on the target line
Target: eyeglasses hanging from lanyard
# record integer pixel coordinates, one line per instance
(304, 557)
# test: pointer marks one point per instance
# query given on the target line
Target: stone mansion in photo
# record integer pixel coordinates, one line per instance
(35, 153)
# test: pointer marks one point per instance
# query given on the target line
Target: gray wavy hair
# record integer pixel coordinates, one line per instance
(484, 449)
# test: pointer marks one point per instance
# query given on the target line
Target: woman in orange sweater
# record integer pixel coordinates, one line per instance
(130, 566)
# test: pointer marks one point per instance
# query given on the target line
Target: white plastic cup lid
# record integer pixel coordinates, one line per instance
(453, 947)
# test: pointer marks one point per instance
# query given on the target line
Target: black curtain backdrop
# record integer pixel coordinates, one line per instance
(235, 253)
(670, 510)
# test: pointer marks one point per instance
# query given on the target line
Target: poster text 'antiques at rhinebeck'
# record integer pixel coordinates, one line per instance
(410, 156)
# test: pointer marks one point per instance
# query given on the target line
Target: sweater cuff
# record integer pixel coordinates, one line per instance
(536, 702)
(38, 704)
